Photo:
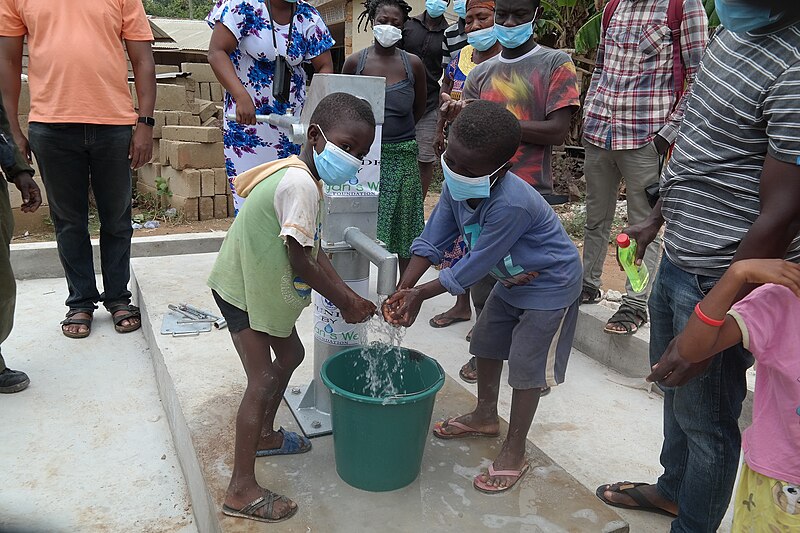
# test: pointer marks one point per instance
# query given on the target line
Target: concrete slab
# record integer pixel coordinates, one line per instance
(38, 260)
(87, 446)
(201, 382)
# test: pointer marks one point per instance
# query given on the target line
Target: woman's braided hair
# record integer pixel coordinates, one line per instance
(371, 8)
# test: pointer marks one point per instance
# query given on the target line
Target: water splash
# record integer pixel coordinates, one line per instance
(382, 358)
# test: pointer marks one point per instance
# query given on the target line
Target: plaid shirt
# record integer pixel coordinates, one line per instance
(632, 94)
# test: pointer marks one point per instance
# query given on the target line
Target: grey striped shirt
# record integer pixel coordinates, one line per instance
(745, 103)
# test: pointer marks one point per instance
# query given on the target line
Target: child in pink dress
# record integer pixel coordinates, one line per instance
(766, 322)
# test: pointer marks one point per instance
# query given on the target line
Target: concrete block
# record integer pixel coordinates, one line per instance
(195, 155)
(165, 69)
(189, 120)
(207, 182)
(156, 151)
(231, 208)
(220, 206)
(221, 181)
(212, 122)
(184, 183)
(198, 134)
(201, 72)
(171, 118)
(205, 91)
(163, 152)
(24, 106)
(217, 92)
(23, 124)
(187, 206)
(149, 173)
(145, 188)
(134, 97)
(205, 109)
(206, 208)
(173, 97)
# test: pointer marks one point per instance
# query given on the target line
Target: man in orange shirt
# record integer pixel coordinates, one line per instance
(81, 132)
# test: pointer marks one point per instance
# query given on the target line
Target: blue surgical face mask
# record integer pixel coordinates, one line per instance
(435, 8)
(482, 40)
(515, 36)
(460, 8)
(465, 187)
(334, 165)
(740, 17)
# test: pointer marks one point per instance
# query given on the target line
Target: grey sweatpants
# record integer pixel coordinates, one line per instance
(8, 287)
(604, 169)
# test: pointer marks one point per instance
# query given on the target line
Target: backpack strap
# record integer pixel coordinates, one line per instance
(674, 20)
(608, 12)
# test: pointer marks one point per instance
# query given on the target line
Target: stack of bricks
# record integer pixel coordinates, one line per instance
(188, 150)
(208, 88)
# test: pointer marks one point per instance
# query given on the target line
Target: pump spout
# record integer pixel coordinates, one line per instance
(378, 255)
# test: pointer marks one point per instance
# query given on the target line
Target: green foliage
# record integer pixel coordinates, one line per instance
(588, 36)
(178, 8)
(162, 187)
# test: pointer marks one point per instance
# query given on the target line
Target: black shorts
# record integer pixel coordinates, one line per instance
(236, 318)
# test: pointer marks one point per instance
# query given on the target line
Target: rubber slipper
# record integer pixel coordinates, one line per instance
(249, 511)
(466, 431)
(463, 375)
(292, 444)
(630, 489)
(486, 488)
(445, 321)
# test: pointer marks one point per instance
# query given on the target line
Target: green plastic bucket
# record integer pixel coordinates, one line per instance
(378, 440)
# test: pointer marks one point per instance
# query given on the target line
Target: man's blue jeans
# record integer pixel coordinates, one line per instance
(71, 156)
(700, 454)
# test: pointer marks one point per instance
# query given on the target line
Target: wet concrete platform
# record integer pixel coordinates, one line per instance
(201, 381)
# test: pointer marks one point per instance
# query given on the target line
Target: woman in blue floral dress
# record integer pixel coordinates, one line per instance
(243, 55)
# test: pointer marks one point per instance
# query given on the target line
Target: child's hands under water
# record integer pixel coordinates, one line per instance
(402, 308)
(359, 310)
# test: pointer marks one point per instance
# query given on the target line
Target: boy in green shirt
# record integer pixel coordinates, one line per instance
(262, 280)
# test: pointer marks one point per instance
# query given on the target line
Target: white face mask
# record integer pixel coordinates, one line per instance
(387, 35)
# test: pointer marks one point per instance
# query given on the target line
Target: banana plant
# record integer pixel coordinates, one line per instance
(588, 36)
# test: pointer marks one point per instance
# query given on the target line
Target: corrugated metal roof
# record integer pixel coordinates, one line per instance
(190, 35)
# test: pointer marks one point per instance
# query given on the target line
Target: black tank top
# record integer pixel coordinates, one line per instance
(398, 121)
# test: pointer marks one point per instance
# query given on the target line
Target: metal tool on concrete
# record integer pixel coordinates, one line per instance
(186, 320)
(349, 238)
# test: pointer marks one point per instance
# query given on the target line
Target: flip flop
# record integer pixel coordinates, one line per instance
(466, 379)
(249, 510)
(445, 321)
(630, 489)
(466, 431)
(486, 488)
(292, 444)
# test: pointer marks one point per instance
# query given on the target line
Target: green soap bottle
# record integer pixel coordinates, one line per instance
(638, 275)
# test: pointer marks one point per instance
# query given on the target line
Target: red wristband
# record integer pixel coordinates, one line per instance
(706, 319)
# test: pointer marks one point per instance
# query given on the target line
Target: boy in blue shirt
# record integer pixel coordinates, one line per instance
(529, 318)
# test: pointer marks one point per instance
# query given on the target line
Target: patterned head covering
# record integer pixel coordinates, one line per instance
(488, 4)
